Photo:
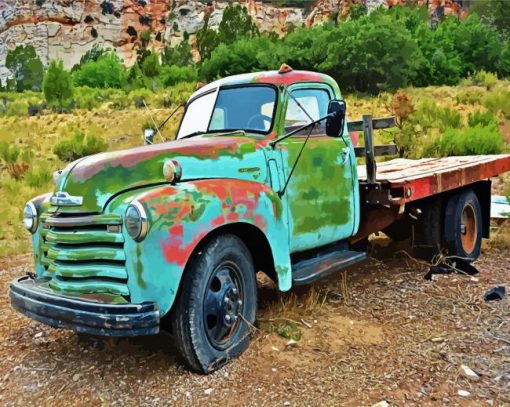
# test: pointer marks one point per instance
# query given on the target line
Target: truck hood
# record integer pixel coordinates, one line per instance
(97, 178)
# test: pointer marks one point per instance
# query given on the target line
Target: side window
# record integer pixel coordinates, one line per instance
(304, 104)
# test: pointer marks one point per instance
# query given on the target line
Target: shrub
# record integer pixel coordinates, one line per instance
(472, 141)
(39, 177)
(179, 55)
(87, 98)
(151, 66)
(16, 161)
(429, 114)
(498, 101)
(487, 79)
(79, 145)
(58, 87)
(107, 72)
(138, 96)
(469, 97)
(484, 119)
(26, 67)
(170, 75)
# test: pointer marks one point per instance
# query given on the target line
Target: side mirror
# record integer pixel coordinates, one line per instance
(148, 136)
(335, 123)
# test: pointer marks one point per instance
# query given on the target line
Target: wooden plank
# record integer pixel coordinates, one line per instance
(387, 149)
(377, 124)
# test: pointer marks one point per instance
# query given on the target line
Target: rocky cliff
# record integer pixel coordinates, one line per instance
(66, 29)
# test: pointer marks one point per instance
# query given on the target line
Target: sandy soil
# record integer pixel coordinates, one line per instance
(388, 334)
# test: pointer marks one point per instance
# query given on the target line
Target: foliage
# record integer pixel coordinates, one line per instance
(498, 101)
(151, 66)
(402, 108)
(495, 12)
(236, 24)
(179, 55)
(79, 145)
(207, 40)
(39, 176)
(58, 86)
(107, 72)
(170, 75)
(145, 35)
(472, 141)
(469, 97)
(92, 54)
(87, 98)
(16, 161)
(480, 118)
(429, 114)
(26, 67)
(487, 79)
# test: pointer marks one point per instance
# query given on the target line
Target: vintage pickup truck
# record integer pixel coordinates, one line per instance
(262, 176)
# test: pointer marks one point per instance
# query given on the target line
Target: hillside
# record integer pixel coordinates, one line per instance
(66, 29)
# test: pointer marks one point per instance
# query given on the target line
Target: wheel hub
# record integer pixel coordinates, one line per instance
(223, 304)
(468, 229)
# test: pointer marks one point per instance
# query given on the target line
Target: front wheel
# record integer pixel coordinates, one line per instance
(216, 308)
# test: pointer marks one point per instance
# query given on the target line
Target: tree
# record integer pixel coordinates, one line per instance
(26, 67)
(207, 40)
(151, 66)
(92, 54)
(496, 13)
(179, 55)
(57, 86)
(236, 24)
(170, 75)
(107, 72)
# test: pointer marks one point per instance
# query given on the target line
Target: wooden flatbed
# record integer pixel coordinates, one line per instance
(399, 181)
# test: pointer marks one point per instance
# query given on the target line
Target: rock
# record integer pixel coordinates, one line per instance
(463, 393)
(382, 403)
(76, 377)
(208, 391)
(468, 373)
(67, 29)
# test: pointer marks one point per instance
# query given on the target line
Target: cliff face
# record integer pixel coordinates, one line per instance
(66, 29)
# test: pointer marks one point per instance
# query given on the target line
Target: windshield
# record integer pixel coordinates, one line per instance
(248, 108)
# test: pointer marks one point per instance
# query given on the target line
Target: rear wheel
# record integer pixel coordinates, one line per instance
(212, 318)
(463, 226)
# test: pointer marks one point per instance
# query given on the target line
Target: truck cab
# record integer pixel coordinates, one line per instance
(262, 175)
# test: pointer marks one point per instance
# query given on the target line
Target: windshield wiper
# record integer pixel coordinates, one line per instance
(195, 133)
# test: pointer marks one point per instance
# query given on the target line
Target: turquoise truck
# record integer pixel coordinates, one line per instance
(262, 176)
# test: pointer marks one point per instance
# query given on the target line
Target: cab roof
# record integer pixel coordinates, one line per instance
(268, 77)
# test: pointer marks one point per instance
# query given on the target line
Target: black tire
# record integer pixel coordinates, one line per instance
(463, 226)
(220, 275)
(427, 234)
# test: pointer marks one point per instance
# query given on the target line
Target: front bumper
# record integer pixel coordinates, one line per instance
(91, 317)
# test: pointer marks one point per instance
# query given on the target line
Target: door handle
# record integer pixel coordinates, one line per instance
(345, 155)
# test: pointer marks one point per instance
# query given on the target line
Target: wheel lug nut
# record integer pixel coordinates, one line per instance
(227, 318)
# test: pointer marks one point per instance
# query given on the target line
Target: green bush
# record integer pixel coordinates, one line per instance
(429, 114)
(79, 145)
(57, 86)
(138, 96)
(170, 75)
(87, 98)
(107, 72)
(39, 176)
(472, 141)
(498, 101)
(480, 118)
(487, 79)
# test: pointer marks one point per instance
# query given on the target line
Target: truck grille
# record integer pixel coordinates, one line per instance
(84, 253)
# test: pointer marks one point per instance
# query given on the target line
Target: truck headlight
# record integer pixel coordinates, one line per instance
(30, 217)
(136, 222)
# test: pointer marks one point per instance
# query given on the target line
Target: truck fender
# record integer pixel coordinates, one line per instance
(180, 216)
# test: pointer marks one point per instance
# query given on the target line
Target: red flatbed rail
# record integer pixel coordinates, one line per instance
(401, 180)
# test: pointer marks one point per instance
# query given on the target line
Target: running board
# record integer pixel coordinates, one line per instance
(308, 270)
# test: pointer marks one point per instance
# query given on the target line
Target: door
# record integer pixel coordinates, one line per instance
(319, 197)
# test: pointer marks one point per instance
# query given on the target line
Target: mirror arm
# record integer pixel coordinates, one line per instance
(275, 142)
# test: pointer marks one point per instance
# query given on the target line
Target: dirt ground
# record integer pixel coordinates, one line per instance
(378, 332)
